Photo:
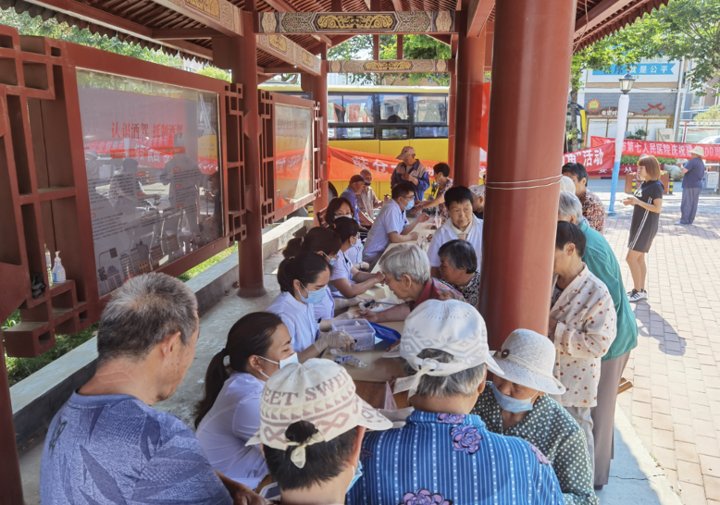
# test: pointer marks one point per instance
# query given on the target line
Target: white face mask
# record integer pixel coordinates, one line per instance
(293, 358)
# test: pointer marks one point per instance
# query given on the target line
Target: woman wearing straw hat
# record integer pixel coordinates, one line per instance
(692, 183)
(517, 405)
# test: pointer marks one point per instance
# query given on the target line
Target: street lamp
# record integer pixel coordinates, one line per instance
(626, 84)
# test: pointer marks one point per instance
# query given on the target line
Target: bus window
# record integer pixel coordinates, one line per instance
(431, 132)
(430, 109)
(350, 133)
(392, 133)
(358, 109)
(336, 111)
(393, 108)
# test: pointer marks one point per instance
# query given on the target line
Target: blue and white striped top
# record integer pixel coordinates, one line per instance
(452, 459)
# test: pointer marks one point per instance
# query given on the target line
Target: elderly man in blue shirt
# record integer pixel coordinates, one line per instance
(443, 454)
(601, 261)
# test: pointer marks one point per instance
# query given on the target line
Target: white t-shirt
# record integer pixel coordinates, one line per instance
(391, 219)
(326, 309)
(446, 234)
(299, 318)
(341, 270)
(232, 420)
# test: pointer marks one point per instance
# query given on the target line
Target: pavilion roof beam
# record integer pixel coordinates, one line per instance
(477, 15)
(221, 15)
(290, 52)
(99, 17)
(599, 14)
(283, 6)
(184, 33)
(371, 23)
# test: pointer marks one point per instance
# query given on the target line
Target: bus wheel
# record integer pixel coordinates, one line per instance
(333, 192)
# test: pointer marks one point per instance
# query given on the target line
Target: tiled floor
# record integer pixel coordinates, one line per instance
(676, 398)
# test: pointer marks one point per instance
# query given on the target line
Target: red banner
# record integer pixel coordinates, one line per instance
(597, 160)
(661, 149)
(344, 163)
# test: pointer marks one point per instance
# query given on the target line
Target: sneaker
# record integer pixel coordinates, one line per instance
(631, 292)
(638, 296)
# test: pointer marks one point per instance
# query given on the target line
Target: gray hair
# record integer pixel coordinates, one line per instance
(142, 312)
(567, 184)
(570, 206)
(463, 383)
(406, 259)
(478, 190)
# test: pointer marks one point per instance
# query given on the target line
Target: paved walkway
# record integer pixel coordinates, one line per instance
(676, 397)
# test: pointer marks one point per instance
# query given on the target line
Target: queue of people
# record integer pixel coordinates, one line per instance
(278, 419)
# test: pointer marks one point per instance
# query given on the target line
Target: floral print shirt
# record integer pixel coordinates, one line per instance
(585, 330)
(593, 210)
(550, 428)
(451, 459)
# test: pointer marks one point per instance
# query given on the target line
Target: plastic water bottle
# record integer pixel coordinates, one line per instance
(48, 266)
(58, 271)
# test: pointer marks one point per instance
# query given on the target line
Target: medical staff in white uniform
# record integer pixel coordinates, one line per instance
(391, 225)
(303, 281)
(258, 345)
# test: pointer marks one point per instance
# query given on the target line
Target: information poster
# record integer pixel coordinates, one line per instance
(294, 173)
(151, 155)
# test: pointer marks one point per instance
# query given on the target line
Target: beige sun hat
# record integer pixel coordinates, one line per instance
(452, 326)
(697, 150)
(528, 359)
(320, 392)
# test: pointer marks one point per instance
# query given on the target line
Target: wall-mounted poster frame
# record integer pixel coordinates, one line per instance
(44, 162)
(295, 154)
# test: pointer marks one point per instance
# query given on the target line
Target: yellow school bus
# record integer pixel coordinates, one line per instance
(383, 119)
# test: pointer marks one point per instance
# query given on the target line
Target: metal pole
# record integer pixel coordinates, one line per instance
(623, 105)
(679, 99)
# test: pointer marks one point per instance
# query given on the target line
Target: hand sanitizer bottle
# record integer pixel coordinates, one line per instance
(48, 266)
(58, 270)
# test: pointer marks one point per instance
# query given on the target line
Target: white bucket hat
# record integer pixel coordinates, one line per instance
(452, 326)
(697, 150)
(528, 359)
(320, 392)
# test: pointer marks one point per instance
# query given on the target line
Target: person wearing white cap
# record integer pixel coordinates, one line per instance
(311, 428)
(444, 454)
(692, 183)
(517, 405)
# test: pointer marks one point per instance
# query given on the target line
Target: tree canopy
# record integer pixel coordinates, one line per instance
(681, 29)
(414, 47)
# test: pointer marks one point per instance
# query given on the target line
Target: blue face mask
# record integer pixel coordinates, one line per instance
(510, 404)
(356, 477)
(410, 205)
(313, 297)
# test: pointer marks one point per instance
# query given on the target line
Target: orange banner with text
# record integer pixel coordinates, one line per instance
(344, 163)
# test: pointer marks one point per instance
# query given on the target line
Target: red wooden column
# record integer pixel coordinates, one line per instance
(531, 64)
(239, 54)
(452, 117)
(317, 86)
(469, 81)
(10, 481)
